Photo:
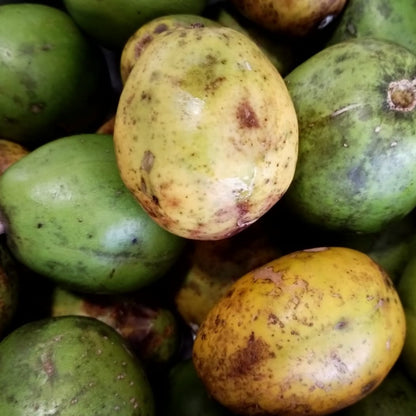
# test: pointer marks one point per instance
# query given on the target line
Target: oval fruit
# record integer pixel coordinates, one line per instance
(69, 217)
(357, 135)
(71, 366)
(205, 132)
(54, 80)
(308, 333)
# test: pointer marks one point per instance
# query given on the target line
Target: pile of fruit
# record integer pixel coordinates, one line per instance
(207, 208)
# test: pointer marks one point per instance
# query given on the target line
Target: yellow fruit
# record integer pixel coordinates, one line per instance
(205, 132)
(306, 334)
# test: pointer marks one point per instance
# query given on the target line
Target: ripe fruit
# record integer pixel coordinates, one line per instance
(308, 333)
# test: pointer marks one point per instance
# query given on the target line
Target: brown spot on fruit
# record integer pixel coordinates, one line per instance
(244, 360)
(141, 44)
(246, 116)
(147, 161)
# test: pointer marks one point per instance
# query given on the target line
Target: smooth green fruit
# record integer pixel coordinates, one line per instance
(382, 19)
(71, 366)
(54, 80)
(355, 103)
(112, 22)
(205, 132)
(68, 216)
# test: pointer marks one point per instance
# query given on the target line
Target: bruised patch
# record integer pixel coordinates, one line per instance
(246, 116)
(401, 95)
(147, 161)
(244, 360)
(141, 44)
(268, 273)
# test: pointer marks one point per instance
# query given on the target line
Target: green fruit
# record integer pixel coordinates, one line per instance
(54, 80)
(396, 395)
(382, 19)
(187, 396)
(68, 216)
(357, 131)
(112, 22)
(71, 366)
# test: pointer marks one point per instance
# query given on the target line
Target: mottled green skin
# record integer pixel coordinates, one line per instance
(356, 167)
(69, 217)
(396, 395)
(112, 22)
(53, 80)
(71, 366)
(384, 19)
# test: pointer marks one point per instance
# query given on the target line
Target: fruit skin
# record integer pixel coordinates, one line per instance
(294, 18)
(150, 330)
(68, 216)
(55, 81)
(308, 333)
(357, 138)
(112, 22)
(392, 21)
(71, 366)
(205, 133)
(149, 31)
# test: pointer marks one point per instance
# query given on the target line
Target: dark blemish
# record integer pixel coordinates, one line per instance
(143, 186)
(46, 47)
(134, 240)
(141, 44)
(145, 96)
(162, 27)
(155, 200)
(111, 275)
(368, 387)
(246, 116)
(36, 108)
(196, 25)
(147, 161)
(244, 360)
(40, 225)
(89, 236)
(341, 324)
(213, 85)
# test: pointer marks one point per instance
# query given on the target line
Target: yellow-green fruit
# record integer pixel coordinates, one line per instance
(151, 30)
(205, 133)
(306, 334)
